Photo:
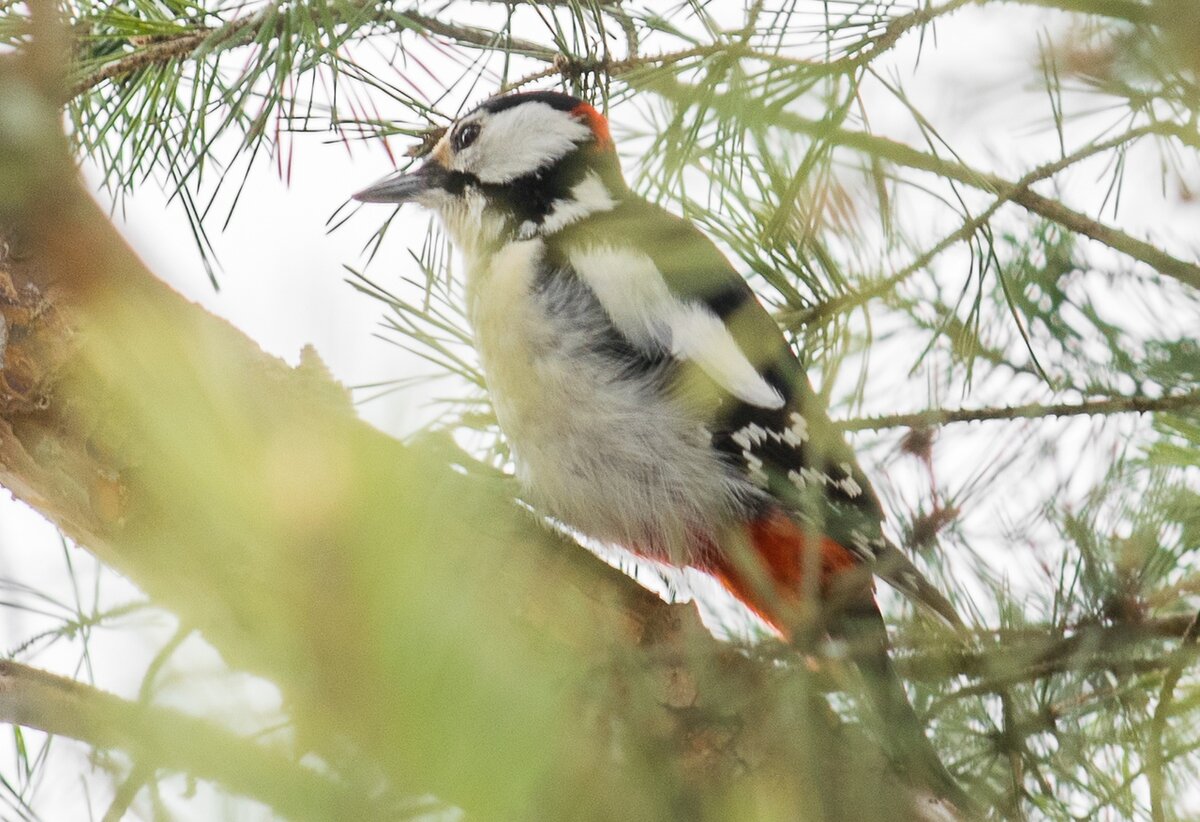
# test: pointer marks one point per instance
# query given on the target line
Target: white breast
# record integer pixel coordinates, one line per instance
(599, 446)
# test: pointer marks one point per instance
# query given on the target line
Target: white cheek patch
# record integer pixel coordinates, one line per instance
(642, 307)
(519, 141)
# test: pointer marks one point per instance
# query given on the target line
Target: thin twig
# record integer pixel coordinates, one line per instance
(127, 792)
(1029, 672)
(477, 36)
(1158, 724)
(997, 659)
(846, 302)
(742, 107)
(1111, 405)
(1050, 209)
(1013, 747)
(567, 67)
(164, 51)
(1130, 11)
(1018, 192)
(241, 32)
(873, 48)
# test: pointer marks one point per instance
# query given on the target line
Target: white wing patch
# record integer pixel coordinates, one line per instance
(642, 307)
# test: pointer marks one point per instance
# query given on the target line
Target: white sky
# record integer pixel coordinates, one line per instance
(282, 284)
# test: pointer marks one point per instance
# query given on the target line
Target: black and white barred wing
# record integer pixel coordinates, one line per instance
(668, 289)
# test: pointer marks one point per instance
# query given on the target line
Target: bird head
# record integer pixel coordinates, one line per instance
(518, 166)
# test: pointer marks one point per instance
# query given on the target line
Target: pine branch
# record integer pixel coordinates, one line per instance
(861, 296)
(244, 30)
(1158, 723)
(870, 49)
(160, 52)
(170, 740)
(1019, 192)
(1131, 11)
(1112, 405)
(897, 28)
(742, 108)
(998, 659)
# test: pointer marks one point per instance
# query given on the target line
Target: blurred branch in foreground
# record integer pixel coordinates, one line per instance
(158, 738)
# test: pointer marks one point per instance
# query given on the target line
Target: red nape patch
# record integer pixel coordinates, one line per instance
(596, 122)
(780, 544)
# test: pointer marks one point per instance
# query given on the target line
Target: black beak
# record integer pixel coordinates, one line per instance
(402, 188)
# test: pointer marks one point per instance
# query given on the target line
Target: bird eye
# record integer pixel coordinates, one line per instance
(465, 136)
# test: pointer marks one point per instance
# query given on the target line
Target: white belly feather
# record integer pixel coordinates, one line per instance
(600, 448)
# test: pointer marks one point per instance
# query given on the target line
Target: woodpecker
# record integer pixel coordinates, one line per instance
(649, 399)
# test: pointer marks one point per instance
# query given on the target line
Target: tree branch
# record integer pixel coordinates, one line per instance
(1158, 723)
(160, 52)
(1018, 192)
(173, 741)
(1130, 11)
(871, 291)
(996, 660)
(243, 31)
(1112, 405)
(742, 107)
(1045, 207)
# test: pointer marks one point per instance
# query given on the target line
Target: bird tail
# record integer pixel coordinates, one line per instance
(892, 566)
(862, 627)
(779, 544)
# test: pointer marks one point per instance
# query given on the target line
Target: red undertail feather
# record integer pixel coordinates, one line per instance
(780, 545)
